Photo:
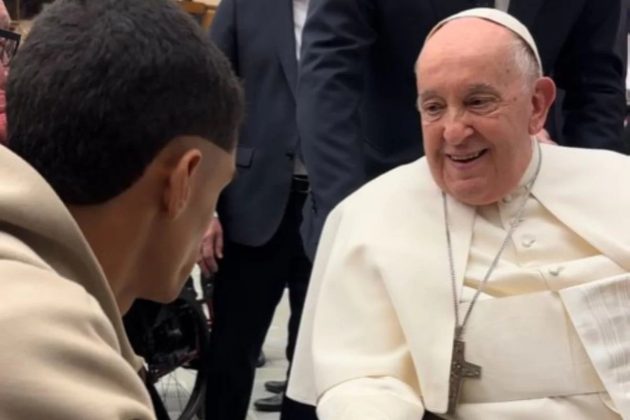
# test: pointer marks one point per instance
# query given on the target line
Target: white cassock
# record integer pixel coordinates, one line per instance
(551, 332)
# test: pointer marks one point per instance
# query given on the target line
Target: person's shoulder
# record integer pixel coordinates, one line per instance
(400, 180)
(583, 170)
(60, 350)
(34, 294)
(36, 297)
(393, 189)
(584, 157)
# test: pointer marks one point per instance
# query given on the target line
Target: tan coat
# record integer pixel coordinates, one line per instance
(63, 350)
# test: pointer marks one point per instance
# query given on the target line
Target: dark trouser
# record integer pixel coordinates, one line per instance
(293, 410)
(248, 286)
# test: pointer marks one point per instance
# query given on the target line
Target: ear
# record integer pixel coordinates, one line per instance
(180, 179)
(542, 97)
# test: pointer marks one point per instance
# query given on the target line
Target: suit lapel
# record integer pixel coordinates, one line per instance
(525, 10)
(285, 41)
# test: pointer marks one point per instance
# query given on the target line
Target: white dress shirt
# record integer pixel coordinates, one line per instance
(502, 5)
(300, 7)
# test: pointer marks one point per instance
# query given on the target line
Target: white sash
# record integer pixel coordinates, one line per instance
(600, 312)
(527, 349)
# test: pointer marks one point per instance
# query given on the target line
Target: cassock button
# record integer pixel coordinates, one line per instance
(528, 241)
(555, 271)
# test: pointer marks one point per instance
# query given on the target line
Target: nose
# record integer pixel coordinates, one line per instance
(456, 128)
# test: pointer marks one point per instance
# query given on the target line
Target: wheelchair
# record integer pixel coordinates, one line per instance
(174, 339)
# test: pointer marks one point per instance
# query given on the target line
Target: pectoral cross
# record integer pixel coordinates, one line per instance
(460, 369)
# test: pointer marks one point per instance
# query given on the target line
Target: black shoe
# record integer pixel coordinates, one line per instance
(260, 362)
(271, 404)
(276, 387)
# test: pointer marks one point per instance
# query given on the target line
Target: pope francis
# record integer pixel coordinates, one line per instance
(487, 280)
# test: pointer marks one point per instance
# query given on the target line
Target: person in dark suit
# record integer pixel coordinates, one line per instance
(356, 95)
(261, 211)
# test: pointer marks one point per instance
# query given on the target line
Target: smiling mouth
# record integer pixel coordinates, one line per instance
(465, 158)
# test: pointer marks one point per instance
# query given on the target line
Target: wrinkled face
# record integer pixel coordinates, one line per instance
(476, 111)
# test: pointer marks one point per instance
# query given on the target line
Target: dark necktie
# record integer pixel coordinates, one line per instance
(484, 3)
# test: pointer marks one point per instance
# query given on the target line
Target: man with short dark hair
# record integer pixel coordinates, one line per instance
(122, 124)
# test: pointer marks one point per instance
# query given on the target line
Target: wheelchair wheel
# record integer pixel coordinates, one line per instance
(173, 339)
(178, 371)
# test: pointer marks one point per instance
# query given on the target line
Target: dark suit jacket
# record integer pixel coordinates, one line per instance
(258, 38)
(356, 93)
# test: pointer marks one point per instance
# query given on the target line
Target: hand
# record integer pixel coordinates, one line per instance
(544, 137)
(211, 248)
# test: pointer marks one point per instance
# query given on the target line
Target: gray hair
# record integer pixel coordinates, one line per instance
(525, 60)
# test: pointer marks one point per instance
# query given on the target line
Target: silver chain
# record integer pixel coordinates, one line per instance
(459, 328)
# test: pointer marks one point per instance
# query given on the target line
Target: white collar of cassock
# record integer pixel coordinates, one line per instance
(529, 174)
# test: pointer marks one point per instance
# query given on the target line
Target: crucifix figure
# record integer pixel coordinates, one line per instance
(460, 369)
